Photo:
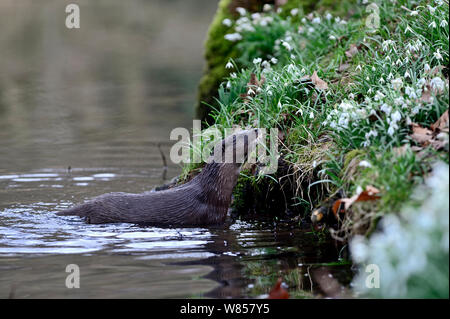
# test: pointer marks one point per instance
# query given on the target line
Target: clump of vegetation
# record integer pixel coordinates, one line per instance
(361, 102)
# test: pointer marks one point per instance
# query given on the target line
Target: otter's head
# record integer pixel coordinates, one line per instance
(236, 148)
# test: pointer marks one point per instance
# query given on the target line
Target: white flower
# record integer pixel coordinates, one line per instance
(229, 65)
(241, 11)
(411, 92)
(332, 37)
(438, 55)
(396, 116)
(294, 12)
(364, 164)
(386, 108)
(233, 75)
(379, 96)
(274, 60)
(311, 115)
(432, 25)
(257, 60)
(437, 84)
(316, 20)
(228, 85)
(358, 68)
(250, 92)
(256, 16)
(265, 64)
(414, 13)
(426, 68)
(328, 16)
(443, 23)
(391, 130)
(227, 22)
(397, 84)
(233, 37)
(407, 75)
(432, 9)
(286, 45)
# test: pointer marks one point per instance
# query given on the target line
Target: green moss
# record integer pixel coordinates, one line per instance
(217, 53)
(351, 155)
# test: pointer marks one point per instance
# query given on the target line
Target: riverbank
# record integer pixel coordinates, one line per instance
(360, 99)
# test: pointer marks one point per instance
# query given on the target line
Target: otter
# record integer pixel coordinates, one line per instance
(202, 201)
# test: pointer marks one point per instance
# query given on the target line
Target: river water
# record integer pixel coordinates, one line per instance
(82, 113)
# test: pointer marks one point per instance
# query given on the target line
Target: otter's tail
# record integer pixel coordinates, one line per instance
(83, 210)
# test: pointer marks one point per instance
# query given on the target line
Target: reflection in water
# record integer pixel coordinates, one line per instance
(82, 113)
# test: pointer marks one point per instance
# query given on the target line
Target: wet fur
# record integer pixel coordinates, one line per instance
(202, 201)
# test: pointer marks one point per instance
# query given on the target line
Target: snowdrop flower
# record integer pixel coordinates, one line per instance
(397, 84)
(257, 60)
(364, 164)
(382, 80)
(438, 55)
(274, 60)
(227, 22)
(311, 115)
(386, 108)
(443, 23)
(267, 7)
(328, 16)
(250, 92)
(265, 64)
(432, 25)
(294, 12)
(396, 116)
(407, 75)
(411, 92)
(229, 65)
(391, 130)
(233, 75)
(398, 62)
(432, 9)
(316, 20)
(256, 16)
(358, 68)
(228, 85)
(233, 37)
(241, 11)
(286, 45)
(351, 96)
(437, 84)
(379, 96)
(385, 45)
(311, 30)
(414, 13)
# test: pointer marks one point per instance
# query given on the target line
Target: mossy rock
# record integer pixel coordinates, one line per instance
(219, 51)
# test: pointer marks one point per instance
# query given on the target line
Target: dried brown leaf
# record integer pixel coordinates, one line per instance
(318, 82)
(352, 51)
(442, 123)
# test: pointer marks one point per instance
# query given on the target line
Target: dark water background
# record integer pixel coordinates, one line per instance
(99, 100)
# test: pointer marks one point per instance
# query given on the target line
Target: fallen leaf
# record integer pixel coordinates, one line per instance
(343, 67)
(442, 123)
(343, 204)
(352, 51)
(318, 82)
(421, 134)
(278, 292)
